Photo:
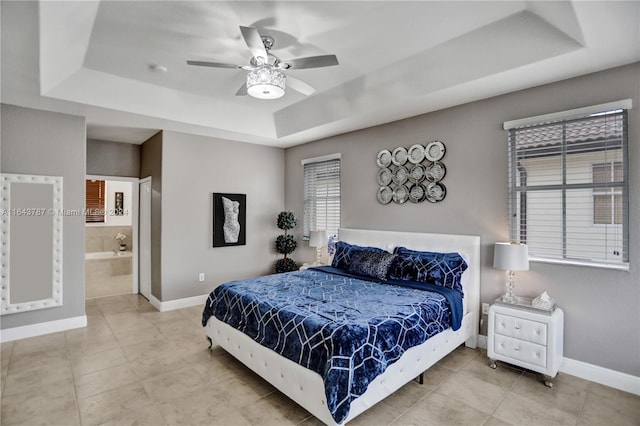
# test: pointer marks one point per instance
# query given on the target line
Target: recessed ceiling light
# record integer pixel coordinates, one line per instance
(157, 68)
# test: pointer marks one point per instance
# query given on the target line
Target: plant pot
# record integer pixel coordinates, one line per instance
(123, 247)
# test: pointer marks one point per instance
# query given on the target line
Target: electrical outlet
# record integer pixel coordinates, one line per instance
(485, 309)
(201, 276)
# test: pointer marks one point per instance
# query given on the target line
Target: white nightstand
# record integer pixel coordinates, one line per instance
(526, 337)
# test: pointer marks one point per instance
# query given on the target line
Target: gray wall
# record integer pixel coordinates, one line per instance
(52, 144)
(106, 158)
(602, 319)
(151, 165)
(193, 168)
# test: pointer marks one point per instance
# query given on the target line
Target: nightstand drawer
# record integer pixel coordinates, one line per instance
(520, 328)
(520, 350)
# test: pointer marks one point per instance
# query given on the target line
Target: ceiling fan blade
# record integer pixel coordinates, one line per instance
(254, 41)
(212, 64)
(265, 22)
(311, 62)
(242, 91)
(299, 85)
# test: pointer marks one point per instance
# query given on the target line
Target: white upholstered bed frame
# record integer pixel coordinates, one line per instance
(306, 387)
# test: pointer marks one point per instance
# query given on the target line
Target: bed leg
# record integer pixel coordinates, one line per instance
(210, 342)
(421, 378)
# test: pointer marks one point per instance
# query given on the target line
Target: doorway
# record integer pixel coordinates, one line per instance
(111, 236)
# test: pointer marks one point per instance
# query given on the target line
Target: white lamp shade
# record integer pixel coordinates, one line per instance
(511, 257)
(318, 238)
(265, 82)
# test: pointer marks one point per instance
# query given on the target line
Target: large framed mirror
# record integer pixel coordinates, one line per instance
(31, 242)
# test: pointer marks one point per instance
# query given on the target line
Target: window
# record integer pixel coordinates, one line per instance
(568, 188)
(94, 201)
(607, 201)
(322, 194)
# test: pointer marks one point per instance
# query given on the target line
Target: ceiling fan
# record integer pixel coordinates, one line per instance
(265, 77)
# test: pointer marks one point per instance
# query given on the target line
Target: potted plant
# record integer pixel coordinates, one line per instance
(286, 244)
(121, 237)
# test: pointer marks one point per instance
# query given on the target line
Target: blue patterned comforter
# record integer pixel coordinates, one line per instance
(345, 328)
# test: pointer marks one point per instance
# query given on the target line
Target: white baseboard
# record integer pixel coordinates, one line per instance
(178, 303)
(32, 330)
(593, 373)
(482, 341)
(604, 376)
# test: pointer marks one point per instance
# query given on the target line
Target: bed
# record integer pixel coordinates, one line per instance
(304, 379)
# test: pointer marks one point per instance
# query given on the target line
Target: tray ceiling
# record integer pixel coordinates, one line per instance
(397, 60)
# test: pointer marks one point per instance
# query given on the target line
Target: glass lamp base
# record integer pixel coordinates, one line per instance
(509, 297)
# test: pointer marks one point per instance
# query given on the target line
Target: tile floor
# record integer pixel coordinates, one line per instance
(133, 365)
(108, 285)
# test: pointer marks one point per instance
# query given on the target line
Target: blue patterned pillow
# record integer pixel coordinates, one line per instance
(345, 251)
(443, 269)
(371, 264)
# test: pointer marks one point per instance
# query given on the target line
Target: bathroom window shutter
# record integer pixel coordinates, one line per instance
(95, 201)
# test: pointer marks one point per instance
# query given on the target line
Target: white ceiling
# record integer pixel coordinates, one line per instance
(397, 60)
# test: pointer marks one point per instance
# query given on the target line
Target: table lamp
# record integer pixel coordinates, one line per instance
(318, 239)
(511, 257)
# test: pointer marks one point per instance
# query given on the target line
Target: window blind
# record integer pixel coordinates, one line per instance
(322, 196)
(94, 201)
(568, 189)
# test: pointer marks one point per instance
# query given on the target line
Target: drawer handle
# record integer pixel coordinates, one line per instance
(517, 327)
(516, 349)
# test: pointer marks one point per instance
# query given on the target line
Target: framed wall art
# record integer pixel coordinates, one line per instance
(229, 219)
(119, 204)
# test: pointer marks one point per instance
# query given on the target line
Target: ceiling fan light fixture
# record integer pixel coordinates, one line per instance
(265, 82)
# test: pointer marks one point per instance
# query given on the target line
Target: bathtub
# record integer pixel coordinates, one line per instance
(108, 273)
(107, 255)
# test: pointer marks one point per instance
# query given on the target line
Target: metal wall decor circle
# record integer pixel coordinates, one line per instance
(416, 193)
(399, 156)
(384, 176)
(416, 153)
(400, 175)
(435, 171)
(434, 151)
(414, 174)
(400, 194)
(417, 173)
(385, 194)
(384, 158)
(436, 192)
